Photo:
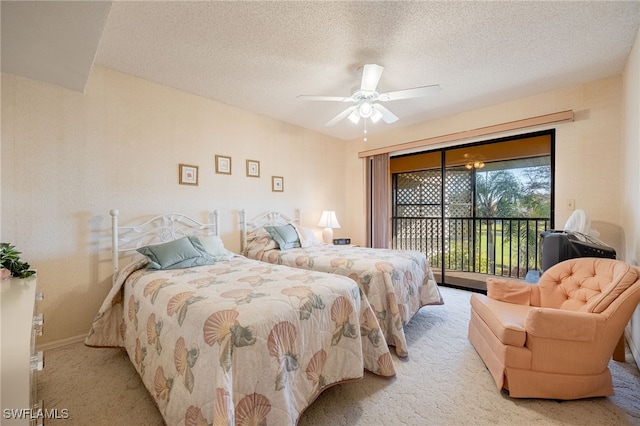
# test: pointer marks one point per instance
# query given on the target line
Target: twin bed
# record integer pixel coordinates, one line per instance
(396, 283)
(220, 338)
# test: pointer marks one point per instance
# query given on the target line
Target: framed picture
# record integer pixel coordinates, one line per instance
(223, 164)
(253, 168)
(277, 183)
(187, 174)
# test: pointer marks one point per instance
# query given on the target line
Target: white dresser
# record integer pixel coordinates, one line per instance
(20, 324)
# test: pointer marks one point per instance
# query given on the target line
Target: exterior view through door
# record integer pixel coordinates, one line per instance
(476, 210)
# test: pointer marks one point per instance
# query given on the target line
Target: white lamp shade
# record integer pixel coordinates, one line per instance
(328, 220)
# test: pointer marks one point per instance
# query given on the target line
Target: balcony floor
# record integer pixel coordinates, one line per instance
(468, 280)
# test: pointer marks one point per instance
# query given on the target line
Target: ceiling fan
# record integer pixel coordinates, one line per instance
(367, 99)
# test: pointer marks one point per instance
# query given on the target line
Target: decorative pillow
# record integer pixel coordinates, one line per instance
(285, 235)
(260, 239)
(307, 236)
(215, 247)
(177, 254)
(507, 290)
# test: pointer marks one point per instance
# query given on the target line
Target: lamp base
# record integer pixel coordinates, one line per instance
(327, 235)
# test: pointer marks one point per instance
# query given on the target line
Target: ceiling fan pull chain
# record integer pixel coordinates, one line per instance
(365, 129)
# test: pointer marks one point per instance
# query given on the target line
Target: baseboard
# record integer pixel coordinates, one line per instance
(60, 343)
(633, 346)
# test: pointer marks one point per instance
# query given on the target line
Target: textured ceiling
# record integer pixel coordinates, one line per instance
(259, 56)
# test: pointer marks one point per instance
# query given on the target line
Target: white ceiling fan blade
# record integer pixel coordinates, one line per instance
(416, 92)
(387, 115)
(370, 76)
(325, 98)
(341, 116)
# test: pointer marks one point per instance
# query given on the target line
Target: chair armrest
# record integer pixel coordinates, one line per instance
(561, 324)
(512, 291)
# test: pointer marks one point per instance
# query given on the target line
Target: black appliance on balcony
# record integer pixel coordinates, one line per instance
(559, 245)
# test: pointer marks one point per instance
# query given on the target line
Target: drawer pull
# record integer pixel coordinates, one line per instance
(38, 319)
(39, 296)
(37, 361)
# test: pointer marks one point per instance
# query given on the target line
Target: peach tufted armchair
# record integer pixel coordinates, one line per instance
(554, 339)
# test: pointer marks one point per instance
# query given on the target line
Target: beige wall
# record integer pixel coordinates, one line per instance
(68, 158)
(630, 203)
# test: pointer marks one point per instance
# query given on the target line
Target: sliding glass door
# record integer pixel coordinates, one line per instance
(475, 210)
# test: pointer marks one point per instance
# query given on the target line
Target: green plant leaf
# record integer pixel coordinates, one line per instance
(10, 259)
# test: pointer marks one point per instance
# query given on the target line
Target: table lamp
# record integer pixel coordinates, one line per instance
(328, 221)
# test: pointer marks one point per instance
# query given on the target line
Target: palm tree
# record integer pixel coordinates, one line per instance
(497, 194)
(536, 199)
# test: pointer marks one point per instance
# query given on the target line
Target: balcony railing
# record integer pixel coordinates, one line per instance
(495, 246)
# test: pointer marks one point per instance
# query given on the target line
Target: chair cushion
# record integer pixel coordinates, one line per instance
(506, 320)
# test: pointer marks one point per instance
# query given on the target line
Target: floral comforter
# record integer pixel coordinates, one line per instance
(240, 341)
(397, 283)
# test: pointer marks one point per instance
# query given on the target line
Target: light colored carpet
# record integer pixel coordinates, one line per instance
(443, 382)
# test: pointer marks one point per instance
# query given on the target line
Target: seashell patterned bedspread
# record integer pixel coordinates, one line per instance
(397, 283)
(240, 341)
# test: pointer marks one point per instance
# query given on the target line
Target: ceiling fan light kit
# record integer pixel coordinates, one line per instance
(365, 109)
(354, 117)
(474, 165)
(376, 116)
(367, 99)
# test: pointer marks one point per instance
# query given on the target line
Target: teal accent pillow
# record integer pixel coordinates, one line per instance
(181, 253)
(285, 235)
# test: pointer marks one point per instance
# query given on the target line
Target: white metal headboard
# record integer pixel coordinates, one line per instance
(157, 230)
(272, 218)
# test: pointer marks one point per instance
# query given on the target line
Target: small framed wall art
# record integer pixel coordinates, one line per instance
(187, 174)
(277, 183)
(253, 168)
(223, 164)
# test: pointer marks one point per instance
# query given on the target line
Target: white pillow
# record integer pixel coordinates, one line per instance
(307, 236)
(215, 247)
